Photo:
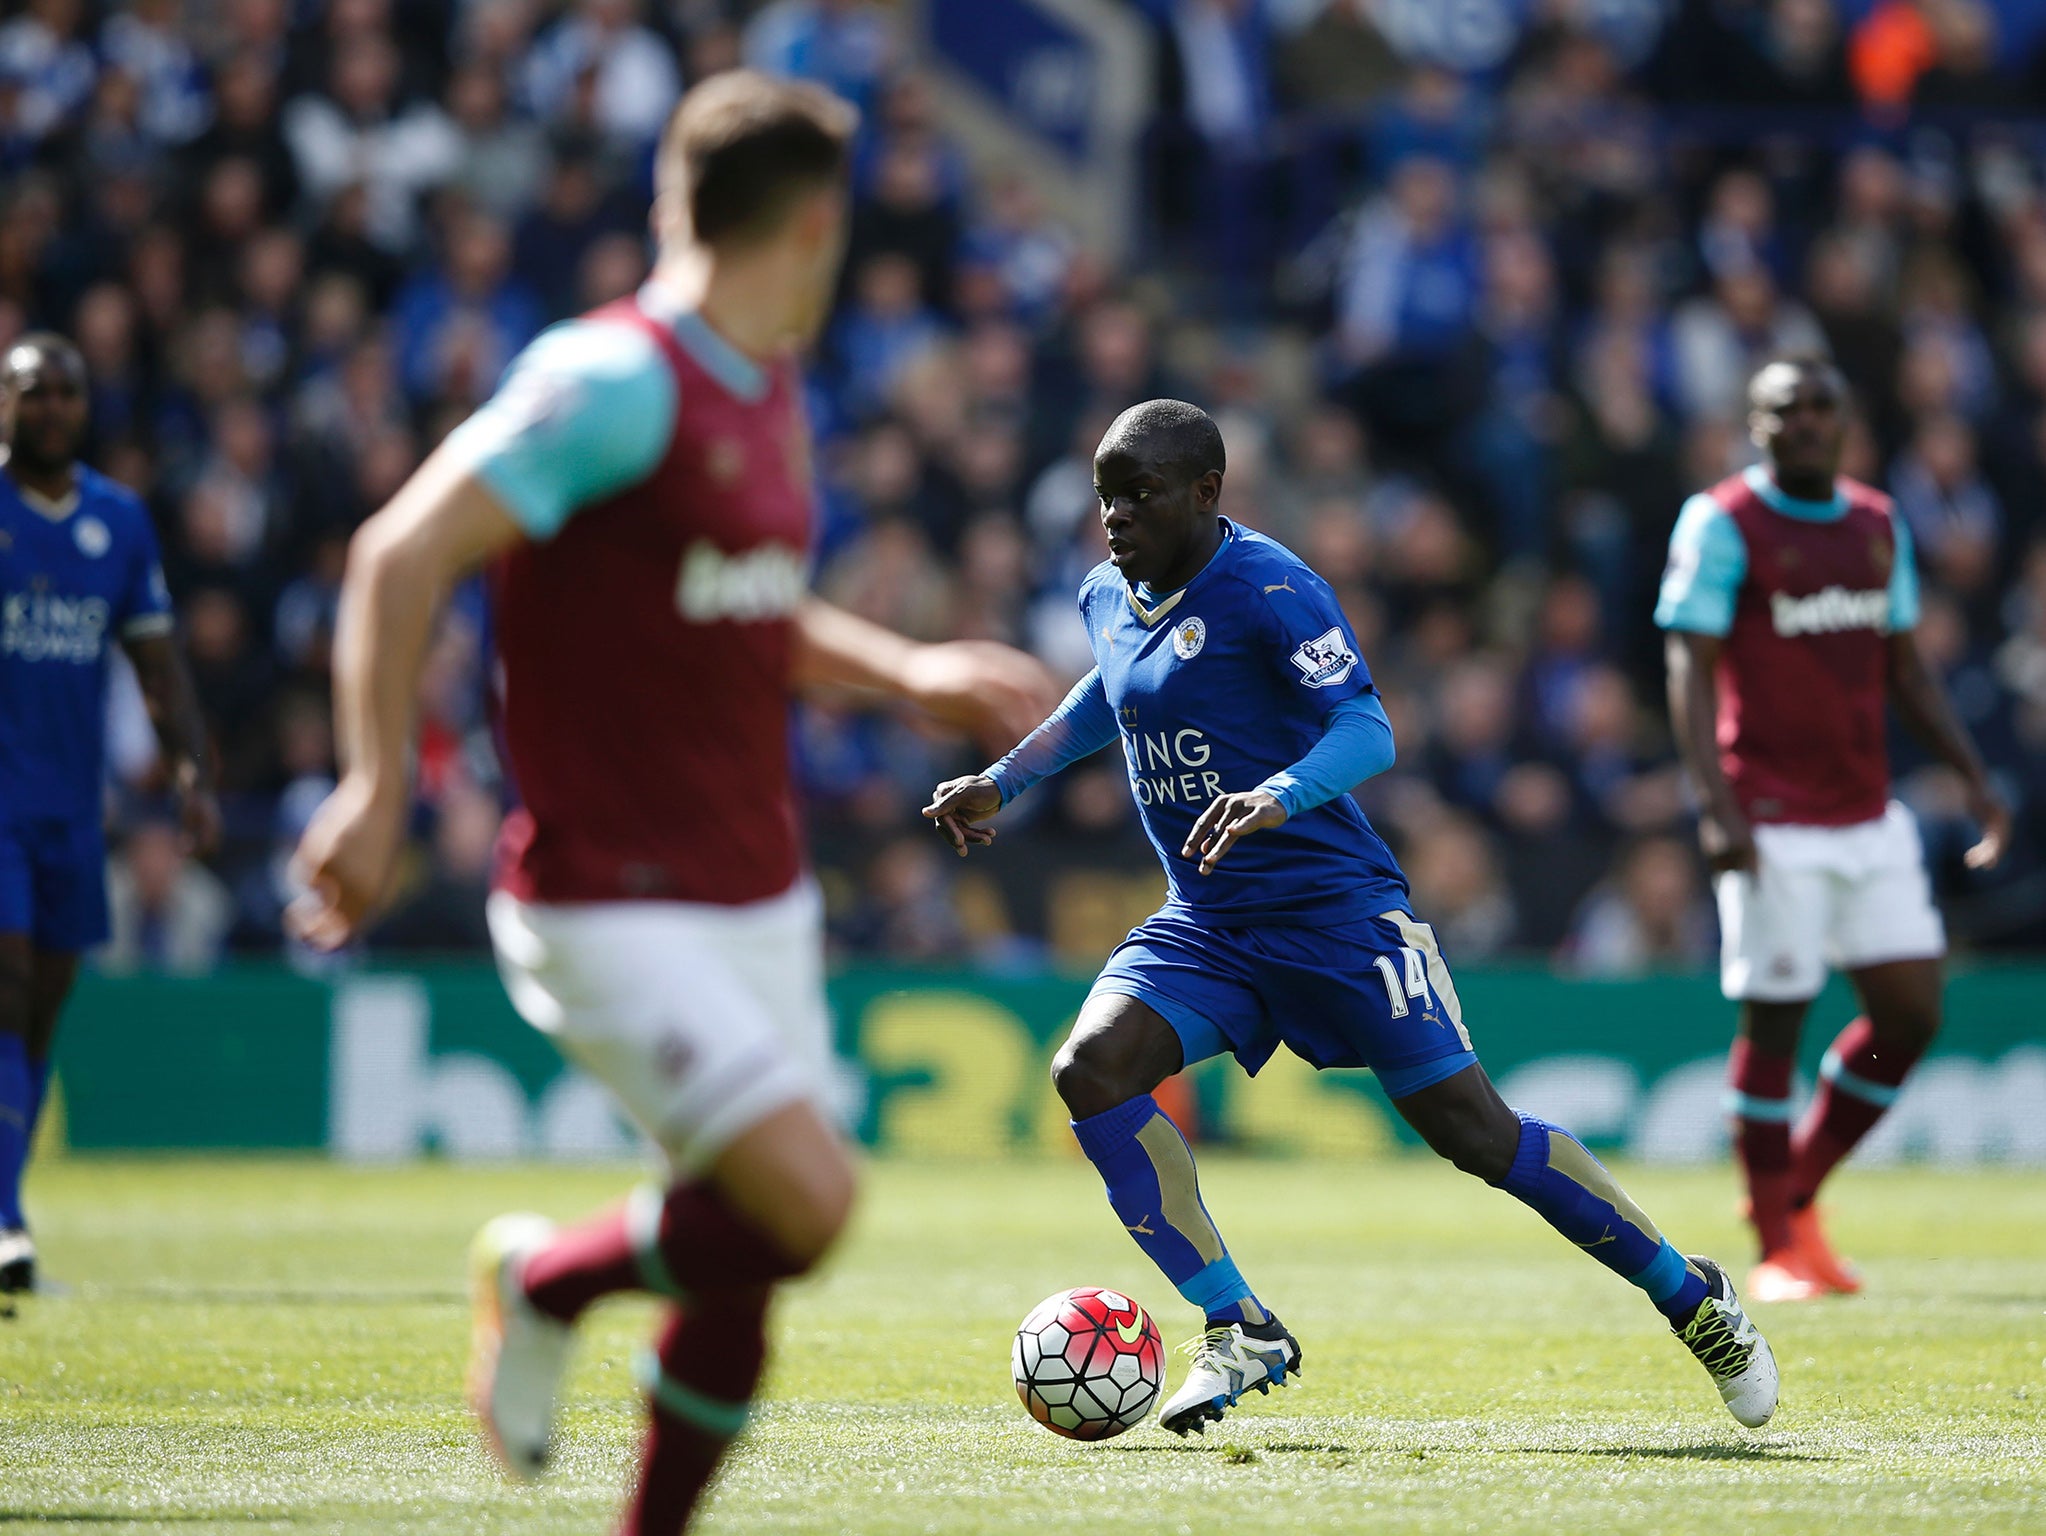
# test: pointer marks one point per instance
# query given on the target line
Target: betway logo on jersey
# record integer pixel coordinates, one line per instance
(1173, 751)
(1828, 612)
(41, 626)
(763, 583)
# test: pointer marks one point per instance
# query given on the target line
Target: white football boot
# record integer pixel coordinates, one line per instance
(1229, 1359)
(17, 1261)
(1732, 1349)
(517, 1352)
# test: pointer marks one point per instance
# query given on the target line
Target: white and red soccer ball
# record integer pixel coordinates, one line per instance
(1088, 1363)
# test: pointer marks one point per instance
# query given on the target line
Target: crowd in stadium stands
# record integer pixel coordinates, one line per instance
(1474, 329)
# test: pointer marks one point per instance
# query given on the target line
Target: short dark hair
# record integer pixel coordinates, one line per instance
(743, 147)
(49, 344)
(1803, 362)
(1171, 432)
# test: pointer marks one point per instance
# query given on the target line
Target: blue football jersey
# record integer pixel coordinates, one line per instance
(1216, 687)
(72, 579)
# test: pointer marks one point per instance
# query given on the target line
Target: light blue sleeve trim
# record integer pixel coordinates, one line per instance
(1082, 724)
(1356, 743)
(1903, 577)
(1708, 560)
(585, 411)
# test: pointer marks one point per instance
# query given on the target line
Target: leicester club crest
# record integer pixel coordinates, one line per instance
(1188, 637)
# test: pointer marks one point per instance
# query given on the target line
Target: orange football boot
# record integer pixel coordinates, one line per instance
(1782, 1276)
(1808, 1242)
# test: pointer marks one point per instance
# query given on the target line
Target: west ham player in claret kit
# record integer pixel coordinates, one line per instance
(78, 569)
(1227, 673)
(640, 487)
(1790, 601)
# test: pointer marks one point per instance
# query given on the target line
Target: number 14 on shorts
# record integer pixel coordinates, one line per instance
(1413, 983)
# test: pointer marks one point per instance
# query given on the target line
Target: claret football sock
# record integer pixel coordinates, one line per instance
(1859, 1079)
(1572, 1191)
(17, 1091)
(1758, 1099)
(1149, 1171)
(699, 1382)
(677, 1243)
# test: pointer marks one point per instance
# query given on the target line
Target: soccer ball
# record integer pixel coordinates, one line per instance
(1088, 1363)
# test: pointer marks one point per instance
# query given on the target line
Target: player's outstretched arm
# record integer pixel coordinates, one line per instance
(991, 692)
(1922, 704)
(173, 706)
(1082, 724)
(443, 524)
(1724, 835)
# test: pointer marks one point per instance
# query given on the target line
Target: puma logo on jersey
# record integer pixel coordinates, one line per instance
(1828, 612)
(763, 583)
(1283, 586)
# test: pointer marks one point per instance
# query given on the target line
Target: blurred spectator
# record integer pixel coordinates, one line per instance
(48, 65)
(848, 45)
(1456, 881)
(360, 134)
(442, 911)
(167, 912)
(601, 46)
(1649, 916)
(464, 320)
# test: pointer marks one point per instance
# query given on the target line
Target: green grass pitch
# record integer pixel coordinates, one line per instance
(256, 1346)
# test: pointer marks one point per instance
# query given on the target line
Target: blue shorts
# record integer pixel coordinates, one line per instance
(53, 882)
(1370, 993)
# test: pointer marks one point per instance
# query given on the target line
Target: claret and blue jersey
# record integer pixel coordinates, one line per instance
(74, 577)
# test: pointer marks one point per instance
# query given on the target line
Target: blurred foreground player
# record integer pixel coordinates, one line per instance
(78, 565)
(1229, 674)
(1790, 599)
(642, 484)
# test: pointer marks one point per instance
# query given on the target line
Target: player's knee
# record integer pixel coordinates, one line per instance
(1089, 1077)
(814, 1215)
(1911, 1029)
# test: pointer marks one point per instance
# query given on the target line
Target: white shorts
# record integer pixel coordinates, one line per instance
(702, 1019)
(1844, 897)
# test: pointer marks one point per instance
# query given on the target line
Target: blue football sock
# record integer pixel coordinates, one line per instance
(1149, 1171)
(16, 1089)
(1574, 1193)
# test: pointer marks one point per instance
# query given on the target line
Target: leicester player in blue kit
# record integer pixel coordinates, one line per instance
(78, 567)
(1227, 671)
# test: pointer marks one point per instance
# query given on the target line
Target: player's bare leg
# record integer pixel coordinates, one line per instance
(1120, 1050)
(769, 1206)
(1546, 1168)
(1759, 1070)
(1862, 1074)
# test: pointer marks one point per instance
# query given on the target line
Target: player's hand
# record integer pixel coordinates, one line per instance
(199, 817)
(957, 804)
(994, 693)
(345, 862)
(1728, 842)
(1993, 817)
(1228, 819)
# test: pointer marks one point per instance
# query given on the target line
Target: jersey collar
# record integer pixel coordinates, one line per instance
(1764, 485)
(1149, 607)
(55, 511)
(739, 374)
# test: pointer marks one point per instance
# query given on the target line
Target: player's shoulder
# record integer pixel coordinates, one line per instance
(1260, 567)
(1866, 498)
(607, 348)
(1102, 578)
(112, 502)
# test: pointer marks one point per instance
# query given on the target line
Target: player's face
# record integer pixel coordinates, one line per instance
(42, 408)
(1152, 513)
(1800, 420)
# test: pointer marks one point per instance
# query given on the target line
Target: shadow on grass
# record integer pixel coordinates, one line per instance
(1224, 1447)
(1717, 1450)
(155, 1517)
(256, 1296)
